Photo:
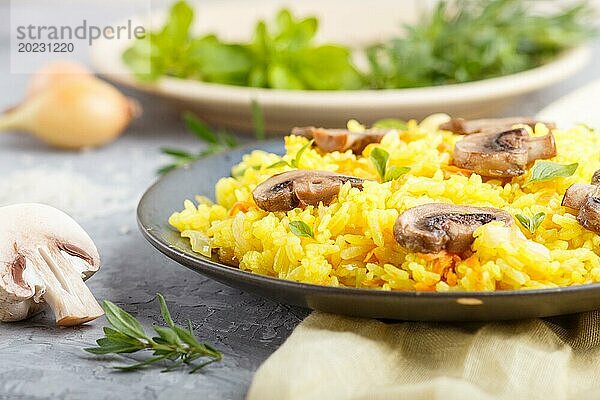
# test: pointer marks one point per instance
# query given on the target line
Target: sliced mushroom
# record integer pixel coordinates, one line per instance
(596, 178)
(577, 194)
(589, 214)
(44, 258)
(492, 125)
(300, 188)
(330, 140)
(585, 199)
(431, 228)
(504, 154)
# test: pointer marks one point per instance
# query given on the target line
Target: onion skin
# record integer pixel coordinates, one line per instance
(79, 113)
(57, 72)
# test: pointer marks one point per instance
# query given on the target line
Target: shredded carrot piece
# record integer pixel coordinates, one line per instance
(420, 286)
(472, 262)
(444, 264)
(445, 148)
(427, 256)
(242, 206)
(451, 278)
(369, 255)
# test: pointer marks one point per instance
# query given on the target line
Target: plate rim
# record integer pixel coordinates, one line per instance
(171, 252)
(560, 67)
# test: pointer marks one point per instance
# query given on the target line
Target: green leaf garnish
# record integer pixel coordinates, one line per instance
(301, 229)
(379, 158)
(531, 223)
(395, 172)
(296, 161)
(174, 345)
(547, 170)
(278, 164)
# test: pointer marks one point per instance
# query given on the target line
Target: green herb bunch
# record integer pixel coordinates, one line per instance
(281, 55)
(215, 141)
(457, 41)
(174, 345)
(467, 40)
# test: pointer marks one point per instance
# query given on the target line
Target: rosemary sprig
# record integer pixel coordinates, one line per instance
(216, 141)
(174, 345)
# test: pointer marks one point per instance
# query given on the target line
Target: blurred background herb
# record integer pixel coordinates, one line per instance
(216, 141)
(463, 41)
(457, 41)
(280, 55)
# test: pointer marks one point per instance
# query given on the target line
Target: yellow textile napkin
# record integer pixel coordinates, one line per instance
(333, 357)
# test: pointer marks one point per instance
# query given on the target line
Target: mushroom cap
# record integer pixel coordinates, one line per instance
(504, 154)
(492, 125)
(32, 235)
(300, 188)
(433, 227)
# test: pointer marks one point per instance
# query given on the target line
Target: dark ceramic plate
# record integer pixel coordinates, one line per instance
(167, 195)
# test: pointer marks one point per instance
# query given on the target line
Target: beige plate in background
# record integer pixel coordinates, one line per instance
(345, 21)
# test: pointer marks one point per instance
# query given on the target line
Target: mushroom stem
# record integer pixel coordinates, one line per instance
(66, 293)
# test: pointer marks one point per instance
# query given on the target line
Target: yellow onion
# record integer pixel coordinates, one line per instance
(56, 72)
(78, 113)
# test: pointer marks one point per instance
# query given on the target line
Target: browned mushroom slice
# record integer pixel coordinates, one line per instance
(492, 125)
(589, 214)
(431, 228)
(540, 147)
(504, 154)
(341, 139)
(577, 194)
(300, 188)
(585, 199)
(596, 178)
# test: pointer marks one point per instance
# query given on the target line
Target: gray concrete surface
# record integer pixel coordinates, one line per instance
(41, 361)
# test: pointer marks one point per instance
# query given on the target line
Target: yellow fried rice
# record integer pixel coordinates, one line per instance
(353, 243)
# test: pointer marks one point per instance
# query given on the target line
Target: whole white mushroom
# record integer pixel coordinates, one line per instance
(45, 256)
